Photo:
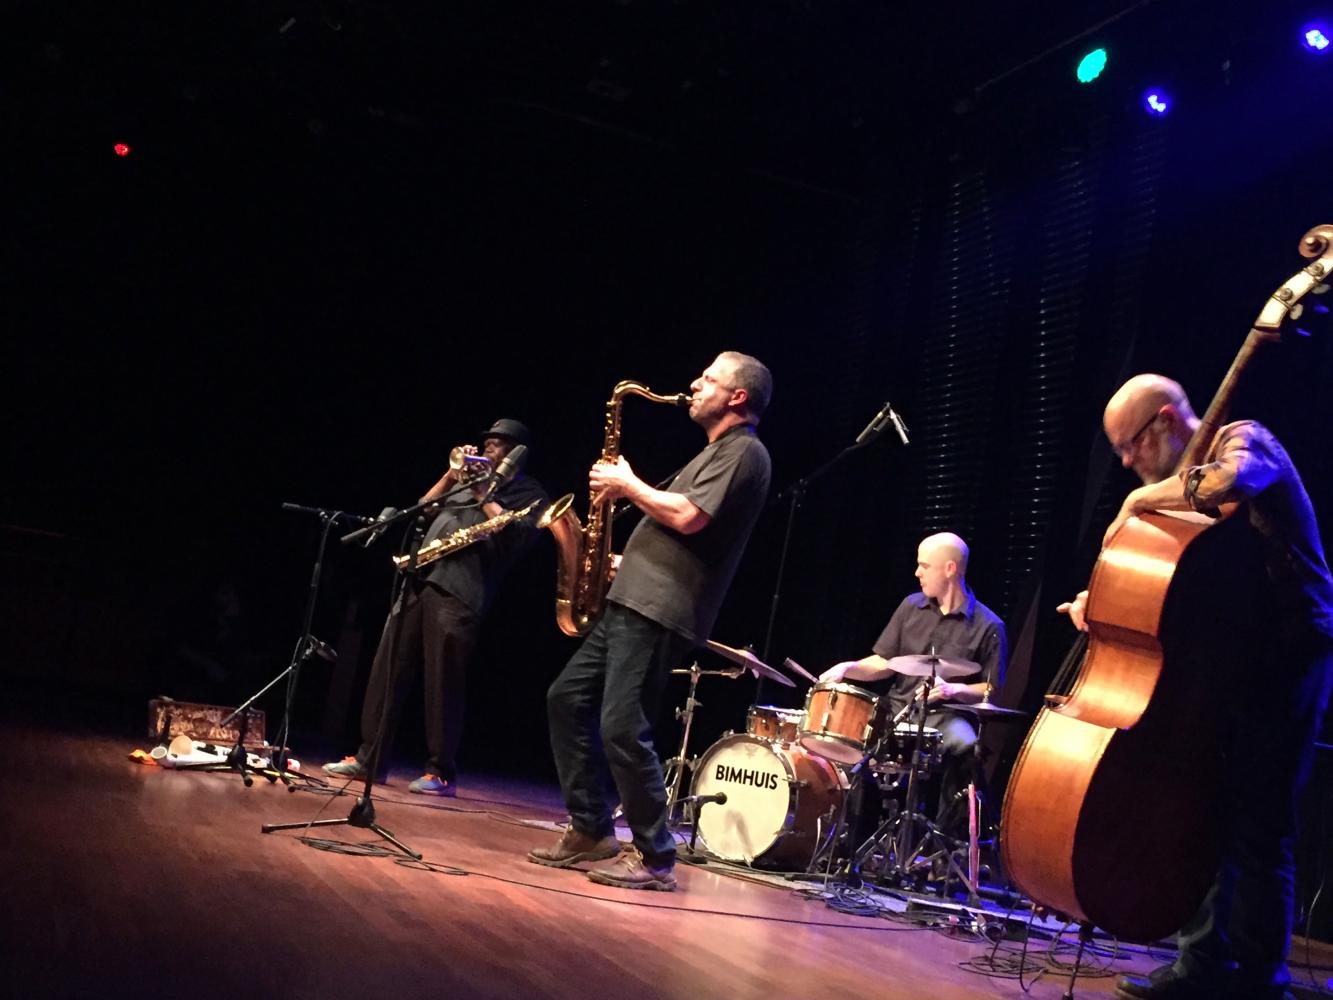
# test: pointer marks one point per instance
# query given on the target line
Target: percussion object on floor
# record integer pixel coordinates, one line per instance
(776, 796)
(770, 722)
(896, 755)
(839, 721)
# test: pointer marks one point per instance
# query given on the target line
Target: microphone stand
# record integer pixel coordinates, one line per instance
(306, 647)
(795, 493)
(362, 814)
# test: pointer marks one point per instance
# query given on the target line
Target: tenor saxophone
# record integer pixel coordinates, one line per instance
(583, 551)
(463, 537)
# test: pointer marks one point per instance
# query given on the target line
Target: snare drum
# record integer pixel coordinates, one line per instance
(776, 797)
(769, 722)
(897, 752)
(839, 720)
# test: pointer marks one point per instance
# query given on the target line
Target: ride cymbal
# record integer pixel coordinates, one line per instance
(749, 661)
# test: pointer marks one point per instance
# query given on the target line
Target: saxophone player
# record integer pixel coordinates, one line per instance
(433, 626)
(668, 588)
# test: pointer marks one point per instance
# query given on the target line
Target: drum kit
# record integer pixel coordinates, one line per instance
(777, 793)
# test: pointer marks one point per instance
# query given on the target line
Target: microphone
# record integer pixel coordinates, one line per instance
(898, 425)
(876, 426)
(510, 466)
(385, 514)
(322, 649)
(719, 797)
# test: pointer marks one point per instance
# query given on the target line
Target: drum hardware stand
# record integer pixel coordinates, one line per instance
(827, 845)
(363, 813)
(676, 765)
(899, 831)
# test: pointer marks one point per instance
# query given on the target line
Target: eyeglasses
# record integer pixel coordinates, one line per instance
(1127, 449)
(712, 381)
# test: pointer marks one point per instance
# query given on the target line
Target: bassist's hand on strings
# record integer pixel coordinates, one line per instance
(1076, 610)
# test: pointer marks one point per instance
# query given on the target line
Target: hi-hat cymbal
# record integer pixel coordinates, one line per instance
(924, 666)
(749, 661)
(799, 670)
(985, 710)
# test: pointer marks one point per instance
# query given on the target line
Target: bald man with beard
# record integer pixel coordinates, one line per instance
(945, 618)
(1236, 945)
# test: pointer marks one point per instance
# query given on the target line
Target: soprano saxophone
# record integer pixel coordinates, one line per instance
(583, 552)
(463, 537)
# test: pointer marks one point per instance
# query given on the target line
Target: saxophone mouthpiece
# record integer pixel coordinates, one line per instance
(681, 399)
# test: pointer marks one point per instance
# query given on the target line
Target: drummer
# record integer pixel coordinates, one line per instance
(945, 619)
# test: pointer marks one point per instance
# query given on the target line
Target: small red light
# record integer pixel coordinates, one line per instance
(121, 149)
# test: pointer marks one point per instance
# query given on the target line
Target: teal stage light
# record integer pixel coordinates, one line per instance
(1090, 66)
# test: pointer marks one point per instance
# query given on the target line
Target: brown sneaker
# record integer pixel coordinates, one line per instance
(574, 847)
(630, 871)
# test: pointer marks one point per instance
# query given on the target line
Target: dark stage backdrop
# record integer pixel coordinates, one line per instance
(338, 250)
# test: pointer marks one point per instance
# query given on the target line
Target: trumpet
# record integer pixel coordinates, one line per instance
(468, 466)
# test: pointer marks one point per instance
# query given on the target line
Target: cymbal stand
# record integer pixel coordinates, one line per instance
(900, 831)
(676, 765)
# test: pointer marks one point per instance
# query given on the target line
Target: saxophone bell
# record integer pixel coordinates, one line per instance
(583, 549)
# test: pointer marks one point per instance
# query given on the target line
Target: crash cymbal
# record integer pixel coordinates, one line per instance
(749, 661)
(985, 710)
(944, 670)
(799, 670)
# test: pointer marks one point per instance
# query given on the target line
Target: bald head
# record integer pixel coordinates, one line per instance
(1149, 421)
(944, 547)
(941, 563)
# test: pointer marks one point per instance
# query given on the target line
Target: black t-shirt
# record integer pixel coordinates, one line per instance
(973, 632)
(679, 581)
(473, 574)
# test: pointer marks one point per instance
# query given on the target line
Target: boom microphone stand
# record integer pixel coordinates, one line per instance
(306, 647)
(796, 493)
(363, 813)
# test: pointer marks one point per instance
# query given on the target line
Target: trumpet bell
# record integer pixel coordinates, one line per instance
(469, 466)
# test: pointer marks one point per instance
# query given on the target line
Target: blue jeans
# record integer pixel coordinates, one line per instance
(601, 710)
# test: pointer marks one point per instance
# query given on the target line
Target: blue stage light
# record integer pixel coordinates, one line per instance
(1315, 37)
(1156, 102)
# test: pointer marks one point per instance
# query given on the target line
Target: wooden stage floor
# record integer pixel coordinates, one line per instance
(129, 880)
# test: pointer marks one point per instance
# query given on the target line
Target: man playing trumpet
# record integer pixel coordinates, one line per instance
(433, 626)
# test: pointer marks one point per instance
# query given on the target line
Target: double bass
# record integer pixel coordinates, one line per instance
(1110, 813)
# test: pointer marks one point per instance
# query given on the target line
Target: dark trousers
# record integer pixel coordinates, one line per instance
(1243, 929)
(601, 710)
(428, 631)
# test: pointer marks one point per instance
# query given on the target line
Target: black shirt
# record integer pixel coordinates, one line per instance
(1247, 465)
(679, 581)
(473, 574)
(973, 632)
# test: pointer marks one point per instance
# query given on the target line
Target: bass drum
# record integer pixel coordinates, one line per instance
(776, 797)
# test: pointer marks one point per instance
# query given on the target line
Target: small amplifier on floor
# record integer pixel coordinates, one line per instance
(168, 718)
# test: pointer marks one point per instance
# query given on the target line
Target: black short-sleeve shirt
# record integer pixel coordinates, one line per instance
(679, 581)
(973, 632)
(473, 574)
